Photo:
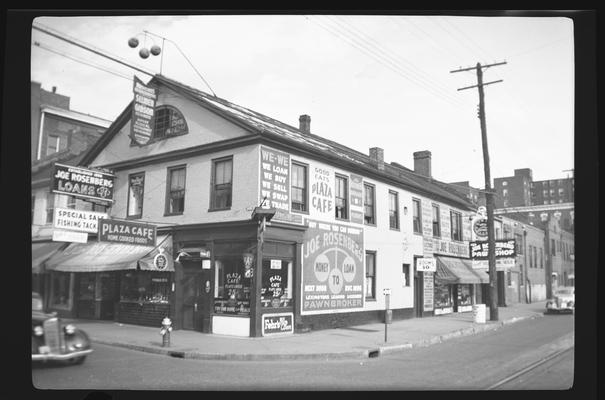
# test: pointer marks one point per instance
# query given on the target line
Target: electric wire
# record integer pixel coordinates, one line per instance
(376, 57)
(394, 57)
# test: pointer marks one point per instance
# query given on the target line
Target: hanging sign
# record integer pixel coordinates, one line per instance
(505, 248)
(333, 268)
(141, 128)
(426, 264)
(60, 235)
(77, 220)
(82, 182)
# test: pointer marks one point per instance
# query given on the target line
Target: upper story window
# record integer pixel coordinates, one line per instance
(53, 144)
(168, 122)
(369, 210)
(341, 197)
(436, 221)
(561, 191)
(175, 193)
(299, 187)
(504, 192)
(222, 177)
(504, 183)
(136, 190)
(393, 210)
(518, 243)
(416, 219)
(50, 207)
(456, 223)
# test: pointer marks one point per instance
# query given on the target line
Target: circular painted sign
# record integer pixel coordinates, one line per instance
(335, 281)
(321, 267)
(480, 227)
(160, 261)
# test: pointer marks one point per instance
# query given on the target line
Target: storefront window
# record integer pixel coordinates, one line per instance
(234, 268)
(60, 290)
(145, 287)
(277, 283)
(464, 295)
(443, 295)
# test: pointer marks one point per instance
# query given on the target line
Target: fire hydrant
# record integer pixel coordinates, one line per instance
(165, 331)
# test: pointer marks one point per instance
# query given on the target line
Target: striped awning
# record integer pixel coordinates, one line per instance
(41, 252)
(457, 270)
(106, 256)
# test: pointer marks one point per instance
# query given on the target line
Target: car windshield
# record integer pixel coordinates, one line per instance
(564, 291)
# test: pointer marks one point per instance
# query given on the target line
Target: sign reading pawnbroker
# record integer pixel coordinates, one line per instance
(333, 268)
(81, 182)
(127, 232)
(504, 249)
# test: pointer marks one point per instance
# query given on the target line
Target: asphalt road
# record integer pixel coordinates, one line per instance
(466, 363)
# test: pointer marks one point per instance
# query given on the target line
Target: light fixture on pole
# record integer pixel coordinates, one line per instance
(144, 52)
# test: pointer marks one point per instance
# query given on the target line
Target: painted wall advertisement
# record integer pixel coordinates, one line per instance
(322, 192)
(275, 183)
(428, 291)
(82, 182)
(356, 190)
(141, 128)
(333, 268)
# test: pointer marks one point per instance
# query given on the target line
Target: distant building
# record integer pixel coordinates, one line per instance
(61, 135)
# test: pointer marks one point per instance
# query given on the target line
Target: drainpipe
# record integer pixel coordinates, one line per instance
(40, 135)
(526, 284)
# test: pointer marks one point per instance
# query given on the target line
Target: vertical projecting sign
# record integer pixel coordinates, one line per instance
(356, 190)
(275, 183)
(333, 268)
(141, 128)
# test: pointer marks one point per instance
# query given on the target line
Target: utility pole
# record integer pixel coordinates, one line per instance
(489, 194)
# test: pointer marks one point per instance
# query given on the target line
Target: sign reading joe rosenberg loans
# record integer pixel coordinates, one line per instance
(82, 182)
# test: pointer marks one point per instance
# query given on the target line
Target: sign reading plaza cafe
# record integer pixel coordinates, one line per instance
(333, 268)
(126, 232)
(82, 182)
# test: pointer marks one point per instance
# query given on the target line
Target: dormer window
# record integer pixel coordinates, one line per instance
(168, 122)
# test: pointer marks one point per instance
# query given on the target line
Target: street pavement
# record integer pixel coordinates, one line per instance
(360, 341)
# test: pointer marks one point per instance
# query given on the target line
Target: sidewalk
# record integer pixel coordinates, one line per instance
(361, 341)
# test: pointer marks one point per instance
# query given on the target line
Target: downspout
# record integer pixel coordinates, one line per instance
(40, 135)
(527, 283)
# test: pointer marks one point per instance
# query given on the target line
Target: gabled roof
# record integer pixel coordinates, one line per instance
(278, 131)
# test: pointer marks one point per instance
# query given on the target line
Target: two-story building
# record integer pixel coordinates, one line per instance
(271, 228)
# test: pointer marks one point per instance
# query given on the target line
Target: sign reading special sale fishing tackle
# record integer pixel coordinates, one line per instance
(333, 268)
(82, 182)
(126, 232)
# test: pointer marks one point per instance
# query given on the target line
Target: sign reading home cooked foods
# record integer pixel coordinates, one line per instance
(82, 182)
(333, 268)
(126, 232)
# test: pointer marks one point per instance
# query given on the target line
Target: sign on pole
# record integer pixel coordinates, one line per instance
(141, 128)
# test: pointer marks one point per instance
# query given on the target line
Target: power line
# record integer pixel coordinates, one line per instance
(44, 47)
(397, 59)
(389, 64)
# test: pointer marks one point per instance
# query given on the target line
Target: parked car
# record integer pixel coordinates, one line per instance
(55, 340)
(563, 299)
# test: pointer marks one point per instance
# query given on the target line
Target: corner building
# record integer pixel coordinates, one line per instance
(340, 226)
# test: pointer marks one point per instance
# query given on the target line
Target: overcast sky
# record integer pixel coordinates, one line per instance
(366, 81)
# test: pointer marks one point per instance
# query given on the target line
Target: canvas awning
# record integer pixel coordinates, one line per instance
(456, 270)
(41, 252)
(106, 256)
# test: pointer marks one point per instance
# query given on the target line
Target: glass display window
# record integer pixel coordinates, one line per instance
(145, 287)
(276, 289)
(234, 264)
(443, 295)
(465, 297)
(61, 290)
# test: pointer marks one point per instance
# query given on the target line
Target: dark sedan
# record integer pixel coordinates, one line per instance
(54, 340)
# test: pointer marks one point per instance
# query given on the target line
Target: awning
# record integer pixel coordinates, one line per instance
(105, 256)
(456, 270)
(41, 252)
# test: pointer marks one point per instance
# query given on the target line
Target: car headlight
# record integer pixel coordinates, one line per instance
(70, 329)
(38, 331)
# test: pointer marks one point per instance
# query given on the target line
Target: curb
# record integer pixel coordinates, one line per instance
(359, 354)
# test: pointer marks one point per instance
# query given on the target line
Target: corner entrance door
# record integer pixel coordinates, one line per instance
(197, 296)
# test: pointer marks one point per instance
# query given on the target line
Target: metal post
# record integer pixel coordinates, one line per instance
(387, 294)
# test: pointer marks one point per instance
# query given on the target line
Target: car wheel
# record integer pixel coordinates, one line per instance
(78, 360)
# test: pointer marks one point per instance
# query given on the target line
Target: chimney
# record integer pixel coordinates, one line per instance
(305, 123)
(377, 156)
(422, 163)
(54, 89)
